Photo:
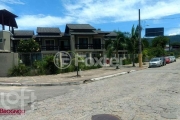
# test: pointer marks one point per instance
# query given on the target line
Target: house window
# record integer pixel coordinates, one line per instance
(83, 43)
(97, 43)
(1, 40)
(50, 44)
(64, 45)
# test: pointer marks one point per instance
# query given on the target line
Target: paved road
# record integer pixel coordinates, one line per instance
(151, 94)
(31, 94)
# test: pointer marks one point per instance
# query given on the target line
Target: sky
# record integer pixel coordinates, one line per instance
(107, 15)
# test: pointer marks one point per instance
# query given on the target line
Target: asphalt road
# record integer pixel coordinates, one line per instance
(150, 94)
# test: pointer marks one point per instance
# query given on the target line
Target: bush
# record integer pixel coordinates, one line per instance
(19, 70)
(46, 66)
(39, 67)
(126, 61)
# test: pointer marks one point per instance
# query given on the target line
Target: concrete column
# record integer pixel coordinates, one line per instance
(90, 56)
(72, 42)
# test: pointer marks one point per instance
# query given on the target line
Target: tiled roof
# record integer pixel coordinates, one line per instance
(80, 26)
(23, 33)
(48, 30)
(112, 34)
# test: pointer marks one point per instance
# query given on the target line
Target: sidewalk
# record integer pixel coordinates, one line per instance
(69, 78)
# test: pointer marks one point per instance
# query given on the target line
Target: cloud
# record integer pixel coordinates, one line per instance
(86, 11)
(12, 1)
(33, 21)
(175, 31)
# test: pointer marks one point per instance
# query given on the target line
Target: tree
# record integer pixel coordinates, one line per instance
(28, 46)
(157, 51)
(160, 41)
(115, 45)
(145, 43)
(133, 43)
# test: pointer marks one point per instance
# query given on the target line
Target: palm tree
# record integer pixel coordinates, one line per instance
(133, 43)
(115, 45)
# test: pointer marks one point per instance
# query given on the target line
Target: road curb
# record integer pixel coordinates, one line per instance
(66, 83)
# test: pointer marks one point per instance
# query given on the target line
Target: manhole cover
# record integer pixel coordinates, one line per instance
(105, 117)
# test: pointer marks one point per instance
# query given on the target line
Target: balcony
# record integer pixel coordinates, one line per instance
(48, 48)
(55, 48)
(89, 46)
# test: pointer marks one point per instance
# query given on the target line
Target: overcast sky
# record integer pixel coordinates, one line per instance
(105, 14)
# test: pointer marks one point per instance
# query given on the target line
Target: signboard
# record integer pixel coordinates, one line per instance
(153, 32)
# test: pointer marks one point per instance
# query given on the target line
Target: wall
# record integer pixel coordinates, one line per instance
(6, 44)
(7, 61)
(1, 43)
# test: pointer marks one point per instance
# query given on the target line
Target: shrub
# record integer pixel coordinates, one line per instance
(19, 70)
(126, 61)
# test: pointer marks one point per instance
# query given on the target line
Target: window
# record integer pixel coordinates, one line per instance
(97, 43)
(49, 44)
(83, 43)
(1, 40)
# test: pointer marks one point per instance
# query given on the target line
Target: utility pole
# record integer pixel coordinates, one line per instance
(140, 48)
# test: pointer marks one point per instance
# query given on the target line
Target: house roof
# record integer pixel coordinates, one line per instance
(48, 30)
(8, 18)
(80, 26)
(101, 32)
(23, 33)
(111, 34)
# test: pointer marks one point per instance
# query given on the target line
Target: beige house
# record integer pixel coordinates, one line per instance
(86, 40)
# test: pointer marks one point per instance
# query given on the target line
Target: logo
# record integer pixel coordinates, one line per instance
(19, 98)
(62, 60)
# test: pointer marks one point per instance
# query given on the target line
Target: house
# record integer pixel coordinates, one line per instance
(52, 40)
(7, 58)
(85, 40)
(20, 35)
(7, 19)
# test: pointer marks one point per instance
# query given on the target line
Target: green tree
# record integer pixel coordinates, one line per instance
(157, 51)
(145, 43)
(160, 41)
(28, 46)
(133, 43)
(115, 45)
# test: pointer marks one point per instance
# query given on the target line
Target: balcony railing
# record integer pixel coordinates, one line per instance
(89, 46)
(54, 48)
(48, 48)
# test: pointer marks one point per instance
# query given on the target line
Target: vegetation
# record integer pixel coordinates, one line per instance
(19, 70)
(160, 41)
(46, 66)
(133, 43)
(115, 45)
(28, 46)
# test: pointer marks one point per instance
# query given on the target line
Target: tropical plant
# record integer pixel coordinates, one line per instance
(28, 46)
(115, 45)
(133, 43)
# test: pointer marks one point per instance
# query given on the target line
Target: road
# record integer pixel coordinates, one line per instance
(150, 94)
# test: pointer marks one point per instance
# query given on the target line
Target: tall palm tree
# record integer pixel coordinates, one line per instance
(133, 43)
